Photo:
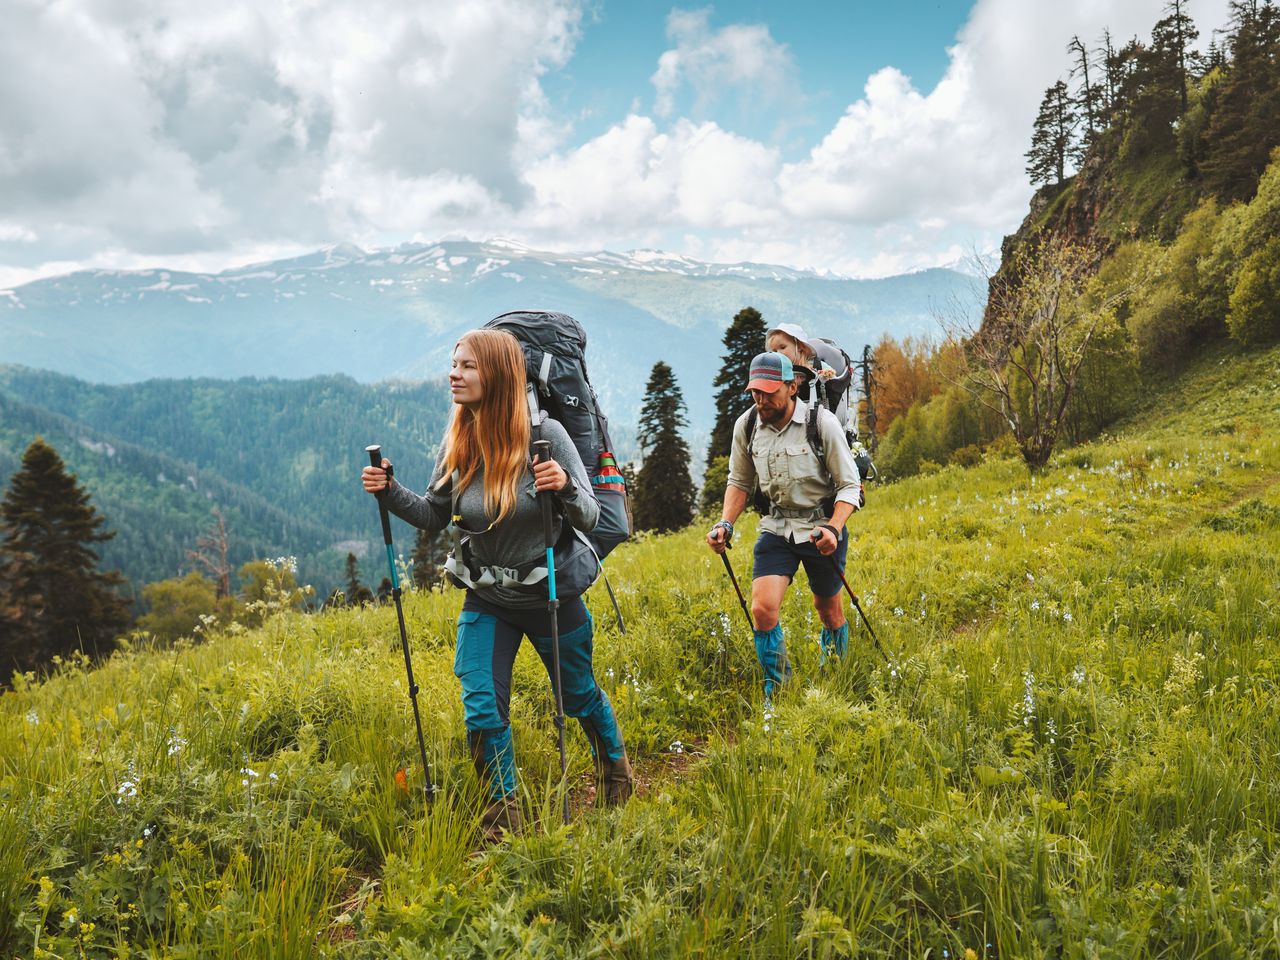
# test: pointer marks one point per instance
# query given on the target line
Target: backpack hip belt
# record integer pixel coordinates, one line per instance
(476, 576)
(799, 513)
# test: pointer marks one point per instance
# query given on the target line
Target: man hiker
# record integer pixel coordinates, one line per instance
(811, 488)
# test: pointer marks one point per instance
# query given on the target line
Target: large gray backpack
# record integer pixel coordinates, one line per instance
(555, 347)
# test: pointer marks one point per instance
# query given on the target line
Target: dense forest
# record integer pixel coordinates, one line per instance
(279, 459)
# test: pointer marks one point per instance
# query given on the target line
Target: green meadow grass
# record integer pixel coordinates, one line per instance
(1073, 749)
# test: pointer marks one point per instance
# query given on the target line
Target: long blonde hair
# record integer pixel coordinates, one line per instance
(496, 433)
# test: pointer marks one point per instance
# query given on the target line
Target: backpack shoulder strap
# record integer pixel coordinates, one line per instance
(535, 413)
(752, 417)
(811, 430)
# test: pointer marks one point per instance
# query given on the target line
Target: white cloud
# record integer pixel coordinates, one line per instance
(738, 57)
(129, 137)
(696, 175)
(212, 127)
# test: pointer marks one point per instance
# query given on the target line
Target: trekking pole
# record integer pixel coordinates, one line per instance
(856, 605)
(375, 459)
(736, 589)
(543, 450)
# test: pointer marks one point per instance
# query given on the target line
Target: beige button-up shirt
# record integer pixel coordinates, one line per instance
(790, 473)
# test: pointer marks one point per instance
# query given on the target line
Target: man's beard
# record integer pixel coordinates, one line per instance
(771, 415)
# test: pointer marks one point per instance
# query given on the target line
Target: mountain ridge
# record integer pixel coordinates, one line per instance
(395, 313)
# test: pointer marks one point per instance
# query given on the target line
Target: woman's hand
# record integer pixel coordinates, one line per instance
(547, 476)
(375, 479)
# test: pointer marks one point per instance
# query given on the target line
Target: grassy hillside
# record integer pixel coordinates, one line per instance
(1074, 751)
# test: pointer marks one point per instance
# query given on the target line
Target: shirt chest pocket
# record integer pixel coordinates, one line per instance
(790, 464)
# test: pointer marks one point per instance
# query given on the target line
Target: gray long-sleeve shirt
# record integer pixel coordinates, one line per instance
(517, 540)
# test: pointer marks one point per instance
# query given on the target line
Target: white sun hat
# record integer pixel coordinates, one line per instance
(792, 330)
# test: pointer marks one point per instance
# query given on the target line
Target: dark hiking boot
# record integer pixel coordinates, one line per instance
(501, 819)
(613, 777)
(502, 816)
(616, 782)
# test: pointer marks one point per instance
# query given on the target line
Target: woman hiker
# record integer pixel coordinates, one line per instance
(485, 468)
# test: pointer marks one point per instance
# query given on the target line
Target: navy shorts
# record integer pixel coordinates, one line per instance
(777, 556)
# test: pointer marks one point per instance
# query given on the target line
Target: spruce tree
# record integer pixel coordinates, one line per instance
(357, 593)
(664, 497)
(53, 600)
(1051, 136)
(429, 553)
(742, 341)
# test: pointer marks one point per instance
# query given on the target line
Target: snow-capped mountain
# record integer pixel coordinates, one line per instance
(395, 314)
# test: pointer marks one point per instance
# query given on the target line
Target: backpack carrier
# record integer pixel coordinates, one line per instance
(834, 393)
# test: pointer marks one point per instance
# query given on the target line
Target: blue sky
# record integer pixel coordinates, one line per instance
(865, 139)
(834, 48)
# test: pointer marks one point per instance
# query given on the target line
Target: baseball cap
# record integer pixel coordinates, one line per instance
(770, 371)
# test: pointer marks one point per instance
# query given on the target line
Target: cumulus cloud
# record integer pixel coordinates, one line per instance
(129, 136)
(195, 127)
(635, 174)
(739, 57)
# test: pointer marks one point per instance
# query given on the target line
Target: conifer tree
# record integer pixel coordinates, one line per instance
(1245, 125)
(1089, 95)
(664, 497)
(429, 553)
(357, 593)
(53, 600)
(1051, 137)
(742, 341)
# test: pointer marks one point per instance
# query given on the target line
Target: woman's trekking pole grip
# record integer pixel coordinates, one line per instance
(542, 448)
(375, 460)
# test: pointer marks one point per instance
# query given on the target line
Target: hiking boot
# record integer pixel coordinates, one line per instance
(502, 815)
(500, 819)
(616, 782)
(613, 777)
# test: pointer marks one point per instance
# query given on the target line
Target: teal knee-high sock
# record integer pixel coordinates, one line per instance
(772, 654)
(835, 641)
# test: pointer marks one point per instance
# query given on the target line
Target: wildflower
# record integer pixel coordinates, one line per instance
(32, 717)
(1066, 615)
(1035, 604)
(897, 611)
(127, 788)
(676, 747)
(176, 745)
(1077, 675)
(146, 831)
(273, 776)
(402, 781)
